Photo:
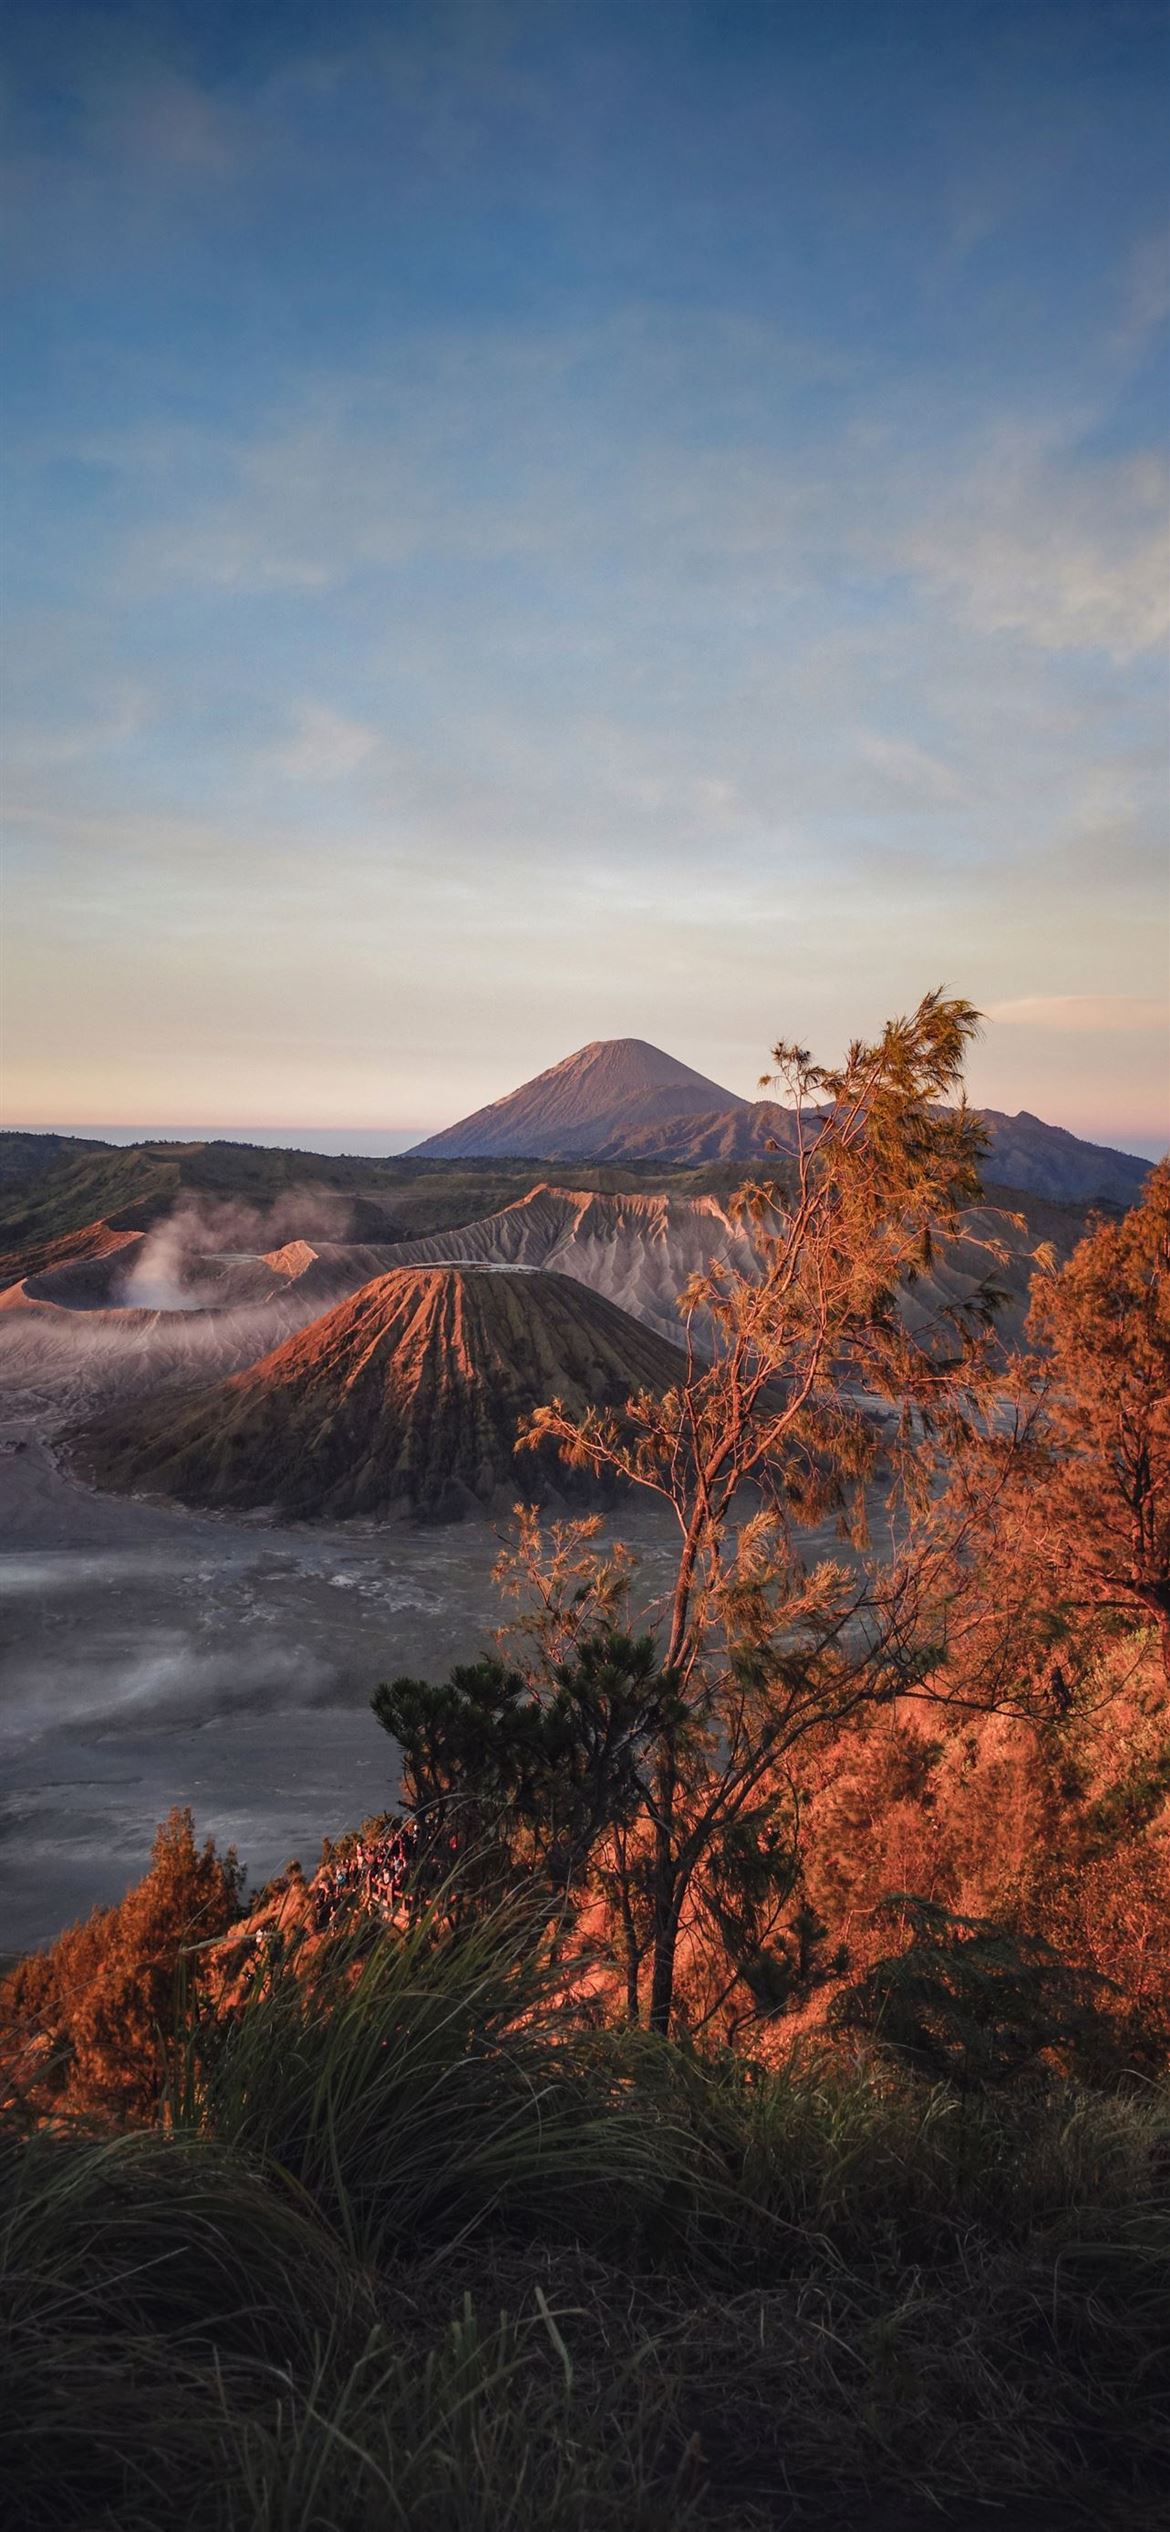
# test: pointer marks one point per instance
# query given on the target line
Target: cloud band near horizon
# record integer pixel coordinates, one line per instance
(532, 524)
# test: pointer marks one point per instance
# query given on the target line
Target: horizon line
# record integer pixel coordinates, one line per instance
(1137, 1145)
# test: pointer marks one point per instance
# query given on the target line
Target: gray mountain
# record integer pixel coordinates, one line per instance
(622, 1103)
(640, 1251)
(1025, 1153)
(610, 1088)
(1045, 1160)
(636, 1250)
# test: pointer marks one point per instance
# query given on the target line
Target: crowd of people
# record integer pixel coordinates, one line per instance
(367, 1873)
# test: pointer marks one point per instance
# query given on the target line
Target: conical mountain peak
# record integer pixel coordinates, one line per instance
(613, 1085)
(408, 1392)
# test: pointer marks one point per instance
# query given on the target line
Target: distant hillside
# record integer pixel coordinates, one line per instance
(407, 1393)
(1047, 1161)
(611, 1087)
(1038, 1159)
(613, 1104)
(59, 1197)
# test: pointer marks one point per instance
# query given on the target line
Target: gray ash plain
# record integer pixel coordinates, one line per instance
(152, 1656)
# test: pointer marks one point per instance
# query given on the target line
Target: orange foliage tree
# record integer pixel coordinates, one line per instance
(88, 2020)
(1081, 1533)
(773, 1431)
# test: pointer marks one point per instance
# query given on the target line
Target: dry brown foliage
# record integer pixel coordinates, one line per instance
(777, 1426)
(86, 2023)
(1071, 1487)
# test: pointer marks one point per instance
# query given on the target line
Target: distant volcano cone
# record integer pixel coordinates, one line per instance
(408, 1393)
(614, 1085)
(621, 1103)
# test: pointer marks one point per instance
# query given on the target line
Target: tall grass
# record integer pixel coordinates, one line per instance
(484, 2430)
(836, 2154)
(153, 2289)
(420, 2247)
(418, 2084)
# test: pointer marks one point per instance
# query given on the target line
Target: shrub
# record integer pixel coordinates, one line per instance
(976, 2001)
(91, 2019)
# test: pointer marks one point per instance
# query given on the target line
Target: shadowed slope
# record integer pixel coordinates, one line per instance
(1024, 1153)
(410, 1392)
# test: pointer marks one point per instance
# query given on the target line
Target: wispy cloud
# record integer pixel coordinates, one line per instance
(326, 746)
(1081, 1012)
(908, 771)
(1070, 557)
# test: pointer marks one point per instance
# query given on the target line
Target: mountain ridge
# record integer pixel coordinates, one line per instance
(617, 1113)
(641, 1250)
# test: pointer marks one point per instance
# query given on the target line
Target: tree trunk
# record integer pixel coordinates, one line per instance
(633, 1948)
(681, 1599)
(665, 1934)
(662, 1982)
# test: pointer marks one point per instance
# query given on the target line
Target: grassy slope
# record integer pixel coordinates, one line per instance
(84, 1184)
(419, 2248)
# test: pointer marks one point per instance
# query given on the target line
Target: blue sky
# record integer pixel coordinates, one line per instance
(535, 522)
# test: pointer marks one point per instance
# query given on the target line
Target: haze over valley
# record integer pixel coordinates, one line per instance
(259, 1415)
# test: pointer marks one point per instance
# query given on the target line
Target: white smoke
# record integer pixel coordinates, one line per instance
(170, 1268)
(178, 1311)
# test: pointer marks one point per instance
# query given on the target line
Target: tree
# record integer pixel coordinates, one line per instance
(508, 1769)
(776, 1428)
(1084, 1512)
(96, 2011)
(975, 2002)
(1067, 1485)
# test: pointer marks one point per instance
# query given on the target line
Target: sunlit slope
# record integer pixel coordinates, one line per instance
(641, 1251)
(407, 1393)
(637, 1250)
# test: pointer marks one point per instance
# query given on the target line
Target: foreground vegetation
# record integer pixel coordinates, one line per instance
(411, 2241)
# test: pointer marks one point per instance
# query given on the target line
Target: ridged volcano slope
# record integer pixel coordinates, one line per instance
(409, 1392)
(636, 1250)
(640, 1251)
